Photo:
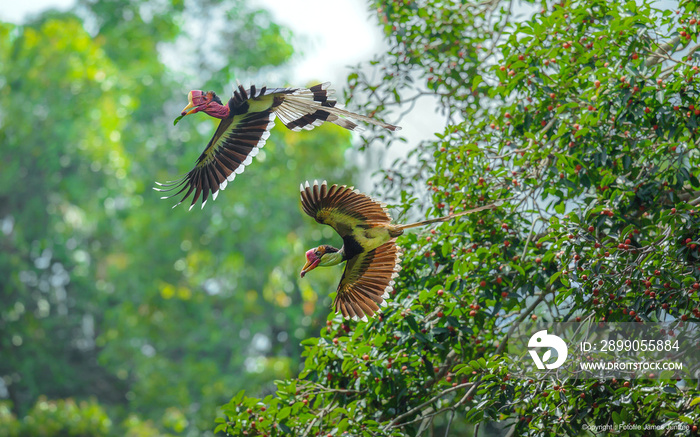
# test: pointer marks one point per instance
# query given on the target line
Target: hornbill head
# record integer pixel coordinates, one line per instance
(323, 256)
(207, 102)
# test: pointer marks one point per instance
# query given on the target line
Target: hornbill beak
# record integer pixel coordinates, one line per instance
(196, 103)
(312, 261)
(191, 107)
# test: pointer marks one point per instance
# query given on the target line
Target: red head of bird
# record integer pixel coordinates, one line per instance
(208, 102)
(324, 255)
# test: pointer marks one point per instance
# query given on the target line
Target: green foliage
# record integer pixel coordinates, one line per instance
(584, 115)
(107, 292)
(57, 418)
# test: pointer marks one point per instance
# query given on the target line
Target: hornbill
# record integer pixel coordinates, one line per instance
(369, 245)
(245, 126)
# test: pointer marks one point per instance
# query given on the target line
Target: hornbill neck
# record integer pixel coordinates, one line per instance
(217, 110)
(335, 258)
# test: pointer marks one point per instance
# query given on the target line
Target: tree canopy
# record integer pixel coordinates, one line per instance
(121, 316)
(583, 114)
(109, 294)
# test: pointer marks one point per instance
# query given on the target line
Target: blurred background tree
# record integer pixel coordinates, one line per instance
(585, 115)
(106, 292)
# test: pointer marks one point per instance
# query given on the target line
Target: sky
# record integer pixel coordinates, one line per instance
(16, 12)
(326, 51)
(347, 38)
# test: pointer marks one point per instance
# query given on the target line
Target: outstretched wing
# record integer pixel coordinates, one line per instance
(367, 280)
(236, 141)
(342, 207)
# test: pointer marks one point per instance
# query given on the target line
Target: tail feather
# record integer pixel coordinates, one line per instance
(447, 217)
(306, 108)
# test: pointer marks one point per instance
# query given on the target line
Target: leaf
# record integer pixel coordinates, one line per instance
(412, 323)
(476, 81)
(284, 413)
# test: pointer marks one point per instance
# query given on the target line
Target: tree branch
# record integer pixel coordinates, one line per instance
(522, 317)
(664, 49)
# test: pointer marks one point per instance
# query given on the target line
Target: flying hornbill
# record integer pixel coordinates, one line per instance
(369, 245)
(245, 126)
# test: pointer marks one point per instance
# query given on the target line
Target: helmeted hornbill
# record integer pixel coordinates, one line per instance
(369, 245)
(245, 126)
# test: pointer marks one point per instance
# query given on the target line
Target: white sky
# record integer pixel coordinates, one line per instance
(16, 12)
